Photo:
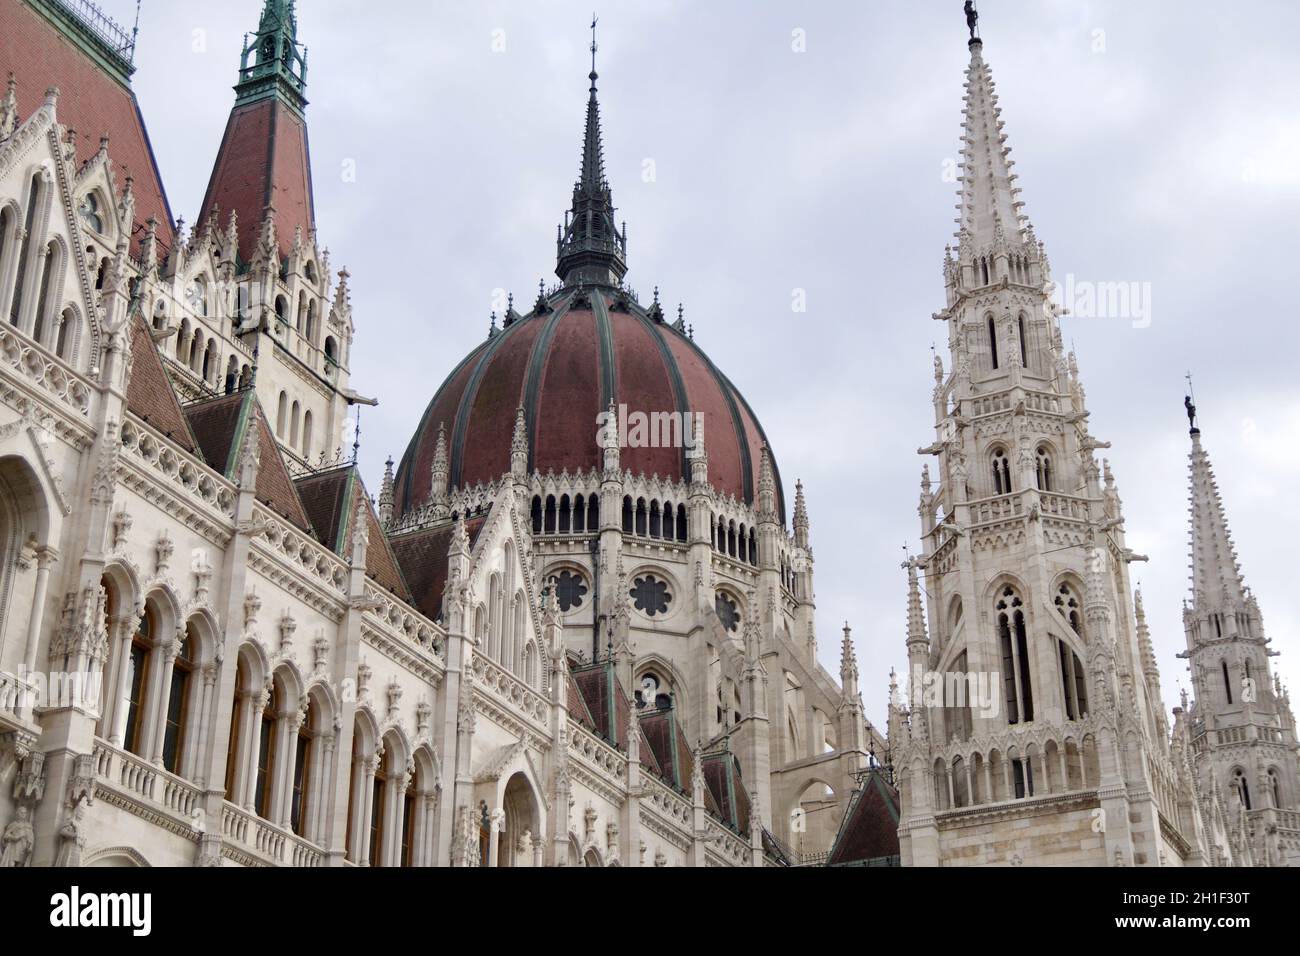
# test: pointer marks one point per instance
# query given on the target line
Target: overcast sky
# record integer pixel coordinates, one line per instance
(1156, 142)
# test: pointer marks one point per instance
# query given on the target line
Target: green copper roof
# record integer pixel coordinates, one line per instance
(273, 63)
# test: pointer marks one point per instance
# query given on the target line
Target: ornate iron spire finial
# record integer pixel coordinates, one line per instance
(590, 247)
(1189, 403)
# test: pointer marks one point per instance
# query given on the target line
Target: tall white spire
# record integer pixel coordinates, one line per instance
(1217, 584)
(989, 205)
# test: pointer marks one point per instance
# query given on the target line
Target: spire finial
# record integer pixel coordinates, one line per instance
(1189, 403)
(590, 248)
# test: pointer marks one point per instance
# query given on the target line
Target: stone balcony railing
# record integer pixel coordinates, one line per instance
(148, 791)
(145, 789)
(36, 368)
(998, 508)
(495, 679)
(267, 842)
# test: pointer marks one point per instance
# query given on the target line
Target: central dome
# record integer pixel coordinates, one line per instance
(584, 348)
(564, 363)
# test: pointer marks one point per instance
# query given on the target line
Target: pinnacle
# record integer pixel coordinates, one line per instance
(988, 202)
(1217, 583)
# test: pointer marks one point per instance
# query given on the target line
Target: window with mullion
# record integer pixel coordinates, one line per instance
(301, 761)
(177, 708)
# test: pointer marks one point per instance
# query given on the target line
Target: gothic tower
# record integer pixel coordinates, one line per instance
(289, 331)
(1034, 732)
(1242, 728)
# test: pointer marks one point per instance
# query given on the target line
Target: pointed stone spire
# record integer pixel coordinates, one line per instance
(438, 493)
(1149, 665)
(9, 109)
(918, 651)
(386, 496)
(848, 665)
(918, 638)
(800, 516)
(176, 255)
(990, 210)
(590, 249)
(519, 445)
(1217, 583)
(341, 308)
(766, 487)
(149, 248)
(267, 254)
(230, 243)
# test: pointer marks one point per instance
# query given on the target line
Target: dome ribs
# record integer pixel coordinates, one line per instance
(565, 365)
(418, 457)
(536, 368)
(648, 387)
(569, 396)
(461, 427)
(608, 364)
(498, 394)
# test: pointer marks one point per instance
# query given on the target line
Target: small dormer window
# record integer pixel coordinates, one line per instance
(90, 212)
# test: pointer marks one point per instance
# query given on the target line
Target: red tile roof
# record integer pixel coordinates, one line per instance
(149, 392)
(263, 160)
(565, 365)
(869, 833)
(91, 101)
(422, 557)
(219, 426)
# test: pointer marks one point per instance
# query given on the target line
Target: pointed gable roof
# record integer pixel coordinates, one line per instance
(219, 426)
(868, 835)
(329, 499)
(606, 700)
(149, 393)
(422, 557)
(670, 748)
(723, 779)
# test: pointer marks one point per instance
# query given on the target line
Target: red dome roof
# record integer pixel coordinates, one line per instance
(565, 366)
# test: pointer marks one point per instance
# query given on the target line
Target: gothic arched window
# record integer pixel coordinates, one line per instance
(1067, 602)
(1024, 346)
(34, 198)
(1001, 472)
(266, 746)
(141, 653)
(1014, 641)
(178, 704)
(1242, 788)
(1043, 468)
(1227, 681)
(993, 342)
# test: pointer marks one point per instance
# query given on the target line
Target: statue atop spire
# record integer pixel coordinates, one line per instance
(972, 21)
(590, 249)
